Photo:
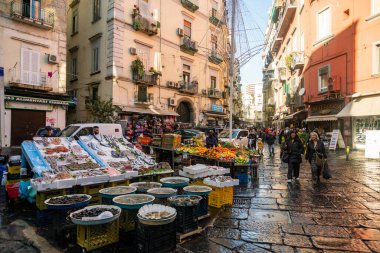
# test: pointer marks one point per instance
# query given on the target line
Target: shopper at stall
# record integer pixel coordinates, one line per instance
(260, 146)
(270, 139)
(294, 148)
(315, 148)
(49, 131)
(252, 140)
(211, 140)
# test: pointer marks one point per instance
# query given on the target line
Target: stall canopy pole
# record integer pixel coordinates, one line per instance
(232, 63)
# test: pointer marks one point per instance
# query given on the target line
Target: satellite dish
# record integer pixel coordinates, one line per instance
(301, 92)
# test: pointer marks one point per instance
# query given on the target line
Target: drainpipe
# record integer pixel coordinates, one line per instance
(2, 108)
(159, 82)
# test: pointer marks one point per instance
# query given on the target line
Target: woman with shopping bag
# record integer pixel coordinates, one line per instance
(317, 157)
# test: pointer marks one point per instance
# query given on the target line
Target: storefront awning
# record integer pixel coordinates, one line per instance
(359, 107)
(214, 115)
(321, 118)
(139, 110)
(166, 113)
(291, 116)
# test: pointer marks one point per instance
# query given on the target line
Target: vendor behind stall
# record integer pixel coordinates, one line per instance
(49, 132)
(211, 140)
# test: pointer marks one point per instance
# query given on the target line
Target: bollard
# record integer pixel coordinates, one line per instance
(347, 152)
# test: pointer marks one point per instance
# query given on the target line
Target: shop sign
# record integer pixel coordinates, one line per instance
(35, 100)
(216, 108)
(372, 144)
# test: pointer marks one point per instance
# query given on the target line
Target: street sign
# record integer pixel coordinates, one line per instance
(334, 139)
(372, 144)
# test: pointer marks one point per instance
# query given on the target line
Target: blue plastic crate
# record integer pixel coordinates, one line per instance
(243, 178)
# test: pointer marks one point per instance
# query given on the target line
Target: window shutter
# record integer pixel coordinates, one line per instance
(35, 68)
(25, 65)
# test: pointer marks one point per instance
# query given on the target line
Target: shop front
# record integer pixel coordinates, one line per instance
(295, 119)
(323, 116)
(26, 112)
(214, 116)
(365, 115)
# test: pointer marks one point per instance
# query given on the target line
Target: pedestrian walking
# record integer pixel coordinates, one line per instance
(252, 140)
(270, 139)
(260, 146)
(316, 155)
(294, 149)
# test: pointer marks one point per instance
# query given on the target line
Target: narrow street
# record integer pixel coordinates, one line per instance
(338, 215)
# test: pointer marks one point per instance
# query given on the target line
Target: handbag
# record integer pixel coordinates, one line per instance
(319, 159)
(285, 157)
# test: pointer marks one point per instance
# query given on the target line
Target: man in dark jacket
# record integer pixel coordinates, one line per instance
(270, 139)
(211, 140)
(294, 148)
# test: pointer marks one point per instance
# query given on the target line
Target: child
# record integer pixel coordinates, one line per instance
(260, 146)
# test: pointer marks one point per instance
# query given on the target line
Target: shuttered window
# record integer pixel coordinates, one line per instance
(143, 53)
(187, 28)
(30, 66)
(324, 24)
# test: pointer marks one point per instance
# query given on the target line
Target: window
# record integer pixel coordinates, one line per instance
(95, 92)
(143, 53)
(75, 22)
(31, 8)
(302, 42)
(324, 24)
(302, 83)
(187, 28)
(213, 82)
(30, 67)
(214, 43)
(142, 94)
(294, 42)
(214, 12)
(376, 59)
(74, 67)
(84, 131)
(96, 11)
(186, 73)
(323, 78)
(95, 56)
(375, 7)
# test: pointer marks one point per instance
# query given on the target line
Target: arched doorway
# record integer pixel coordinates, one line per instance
(185, 112)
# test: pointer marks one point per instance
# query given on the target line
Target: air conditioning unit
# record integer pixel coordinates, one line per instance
(169, 84)
(176, 85)
(172, 102)
(180, 32)
(204, 92)
(132, 51)
(53, 59)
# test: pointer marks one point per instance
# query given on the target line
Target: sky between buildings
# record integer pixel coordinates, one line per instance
(252, 71)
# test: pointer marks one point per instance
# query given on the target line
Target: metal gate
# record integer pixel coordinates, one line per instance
(184, 112)
(24, 125)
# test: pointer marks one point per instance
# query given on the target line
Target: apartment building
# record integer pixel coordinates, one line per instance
(33, 58)
(320, 55)
(152, 57)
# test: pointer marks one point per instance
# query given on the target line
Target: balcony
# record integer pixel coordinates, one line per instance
(214, 93)
(147, 78)
(188, 87)
(188, 46)
(226, 102)
(144, 98)
(276, 44)
(33, 15)
(215, 57)
(191, 5)
(216, 18)
(286, 17)
(146, 25)
(298, 101)
(30, 80)
(282, 74)
(298, 60)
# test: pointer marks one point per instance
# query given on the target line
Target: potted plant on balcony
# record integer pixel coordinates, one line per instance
(137, 69)
(289, 62)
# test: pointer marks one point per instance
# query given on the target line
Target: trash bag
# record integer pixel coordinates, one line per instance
(27, 192)
(326, 171)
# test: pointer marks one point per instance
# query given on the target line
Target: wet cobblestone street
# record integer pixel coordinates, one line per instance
(270, 215)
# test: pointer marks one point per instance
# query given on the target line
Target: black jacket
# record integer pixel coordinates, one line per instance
(295, 150)
(211, 141)
(270, 139)
(311, 150)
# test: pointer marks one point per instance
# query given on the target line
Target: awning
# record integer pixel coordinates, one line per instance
(166, 112)
(291, 116)
(214, 115)
(359, 107)
(139, 110)
(321, 118)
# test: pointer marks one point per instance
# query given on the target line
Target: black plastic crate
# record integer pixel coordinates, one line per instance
(202, 208)
(187, 218)
(155, 232)
(162, 245)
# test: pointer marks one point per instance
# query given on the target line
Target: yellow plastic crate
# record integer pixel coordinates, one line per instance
(14, 169)
(97, 236)
(118, 183)
(159, 176)
(128, 220)
(92, 190)
(221, 196)
(197, 182)
(44, 195)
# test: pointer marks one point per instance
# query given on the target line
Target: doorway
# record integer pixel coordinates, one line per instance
(185, 112)
(24, 125)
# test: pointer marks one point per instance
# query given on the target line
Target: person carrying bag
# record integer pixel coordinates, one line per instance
(292, 155)
(317, 157)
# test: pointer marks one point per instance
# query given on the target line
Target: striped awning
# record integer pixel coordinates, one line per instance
(321, 118)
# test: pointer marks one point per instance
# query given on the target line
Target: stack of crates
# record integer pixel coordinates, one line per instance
(221, 196)
(14, 169)
(93, 190)
(171, 141)
(157, 239)
(128, 219)
(44, 195)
